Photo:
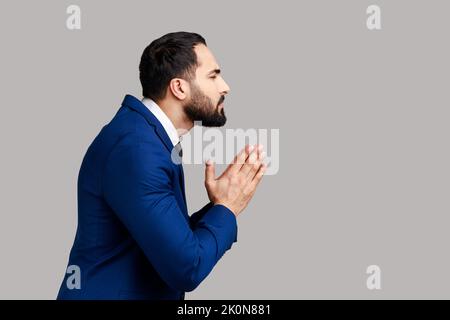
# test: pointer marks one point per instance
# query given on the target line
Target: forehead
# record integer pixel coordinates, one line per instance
(205, 58)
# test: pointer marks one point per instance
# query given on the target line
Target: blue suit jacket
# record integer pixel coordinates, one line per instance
(135, 239)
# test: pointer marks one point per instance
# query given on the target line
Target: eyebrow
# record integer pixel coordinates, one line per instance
(215, 71)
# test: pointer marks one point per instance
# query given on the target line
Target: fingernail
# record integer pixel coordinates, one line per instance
(260, 147)
(251, 148)
(262, 155)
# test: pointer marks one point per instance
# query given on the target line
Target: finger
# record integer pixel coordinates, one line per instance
(258, 176)
(249, 163)
(239, 160)
(255, 167)
(210, 171)
(261, 153)
(253, 162)
(250, 188)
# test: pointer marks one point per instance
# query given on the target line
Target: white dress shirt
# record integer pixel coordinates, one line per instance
(163, 119)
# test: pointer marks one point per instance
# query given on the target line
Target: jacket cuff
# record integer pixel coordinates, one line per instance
(221, 221)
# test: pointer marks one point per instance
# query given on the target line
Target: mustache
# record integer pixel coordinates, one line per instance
(222, 99)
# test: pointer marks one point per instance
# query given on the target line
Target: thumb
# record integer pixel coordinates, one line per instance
(210, 171)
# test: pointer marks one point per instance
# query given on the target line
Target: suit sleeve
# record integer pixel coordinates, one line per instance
(197, 216)
(137, 185)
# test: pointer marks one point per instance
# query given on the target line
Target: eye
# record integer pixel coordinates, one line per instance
(213, 77)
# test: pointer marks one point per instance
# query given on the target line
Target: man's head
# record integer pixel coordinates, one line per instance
(179, 68)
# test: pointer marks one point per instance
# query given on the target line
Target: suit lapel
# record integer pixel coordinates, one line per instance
(182, 184)
(139, 107)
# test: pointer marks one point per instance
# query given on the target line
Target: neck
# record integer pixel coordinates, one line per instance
(175, 113)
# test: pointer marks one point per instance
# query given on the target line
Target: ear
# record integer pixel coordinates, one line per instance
(179, 88)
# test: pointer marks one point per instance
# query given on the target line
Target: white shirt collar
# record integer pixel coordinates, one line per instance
(163, 119)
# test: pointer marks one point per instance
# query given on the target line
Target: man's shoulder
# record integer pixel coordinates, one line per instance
(128, 126)
(127, 132)
(129, 121)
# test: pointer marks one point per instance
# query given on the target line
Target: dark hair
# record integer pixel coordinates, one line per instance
(168, 57)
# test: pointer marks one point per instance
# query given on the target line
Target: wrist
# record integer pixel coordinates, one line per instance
(229, 207)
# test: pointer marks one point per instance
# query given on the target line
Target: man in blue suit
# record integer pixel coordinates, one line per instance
(135, 239)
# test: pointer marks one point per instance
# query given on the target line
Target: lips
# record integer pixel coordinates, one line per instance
(221, 100)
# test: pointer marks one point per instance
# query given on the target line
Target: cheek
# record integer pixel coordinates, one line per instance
(206, 86)
(210, 90)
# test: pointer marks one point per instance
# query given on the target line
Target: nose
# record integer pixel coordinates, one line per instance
(225, 88)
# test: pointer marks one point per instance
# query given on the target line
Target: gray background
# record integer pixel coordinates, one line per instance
(363, 119)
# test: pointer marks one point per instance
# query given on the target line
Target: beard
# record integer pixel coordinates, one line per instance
(201, 108)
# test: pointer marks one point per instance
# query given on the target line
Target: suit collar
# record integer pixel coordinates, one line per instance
(163, 119)
(137, 105)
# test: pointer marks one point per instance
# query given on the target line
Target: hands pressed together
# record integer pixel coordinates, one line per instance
(237, 184)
